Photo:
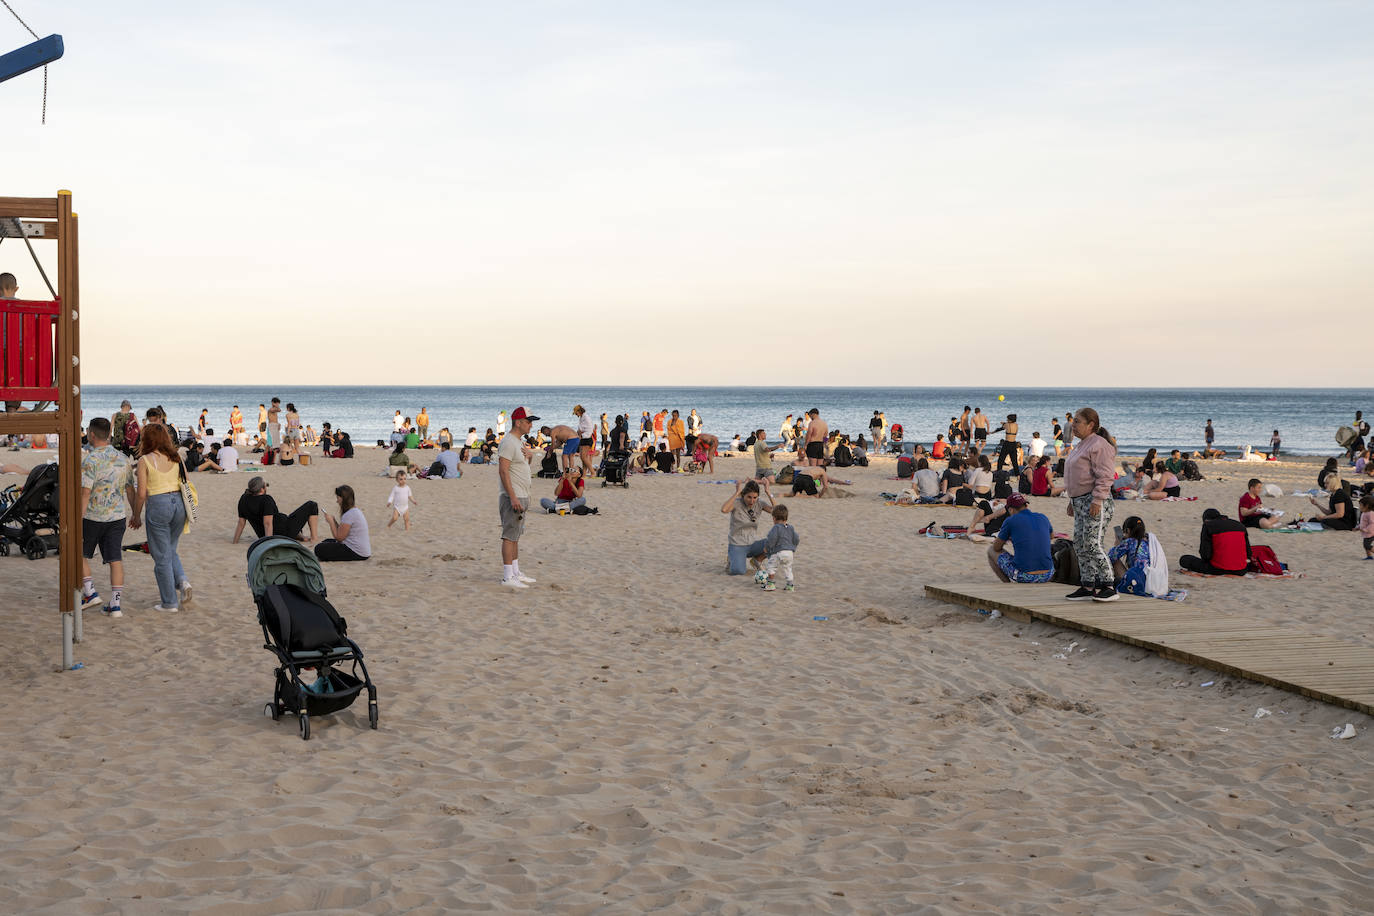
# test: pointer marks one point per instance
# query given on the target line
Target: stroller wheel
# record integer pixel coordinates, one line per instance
(603, 484)
(372, 713)
(272, 711)
(4, 548)
(35, 549)
(305, 727)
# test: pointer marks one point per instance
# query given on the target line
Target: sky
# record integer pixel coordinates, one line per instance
(707, 193)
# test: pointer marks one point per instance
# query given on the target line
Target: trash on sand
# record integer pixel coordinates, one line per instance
(1262, 712)
(1059, 655)
(994, 615)
(1339, 733)
(1209, 684)
(1034, 643)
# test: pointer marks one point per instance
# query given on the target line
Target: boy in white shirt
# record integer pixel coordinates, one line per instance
(1037, 445)
(228, 457)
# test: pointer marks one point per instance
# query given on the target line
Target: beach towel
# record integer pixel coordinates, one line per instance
(1250, 575)
(1179, 499)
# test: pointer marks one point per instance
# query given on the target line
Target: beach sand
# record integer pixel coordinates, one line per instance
(640, 731)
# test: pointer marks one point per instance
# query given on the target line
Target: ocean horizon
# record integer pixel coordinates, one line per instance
(1139, 418)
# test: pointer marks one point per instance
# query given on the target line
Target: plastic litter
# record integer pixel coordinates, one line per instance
(1209, 684)
(1059, 655)
(820, 618)
(994, 615)
(1340, 734)
(1262, 712)
(77, 667)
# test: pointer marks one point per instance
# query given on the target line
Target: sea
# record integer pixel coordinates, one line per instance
(1139, 418)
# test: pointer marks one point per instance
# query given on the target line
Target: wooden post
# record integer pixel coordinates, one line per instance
(68, 419)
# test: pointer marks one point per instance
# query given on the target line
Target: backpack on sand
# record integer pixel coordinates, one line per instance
(1264, 561)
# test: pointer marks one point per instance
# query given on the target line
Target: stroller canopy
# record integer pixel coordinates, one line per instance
(276, 560)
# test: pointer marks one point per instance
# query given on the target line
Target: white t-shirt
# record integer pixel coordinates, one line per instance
(586, 428)
(511, 449)
(357, 540)
(1037, 447)
(229, 458)
(501, 423)
(399, 498)
(398, 422)
(472, 439)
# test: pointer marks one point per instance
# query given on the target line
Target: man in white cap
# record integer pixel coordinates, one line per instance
(513, 464)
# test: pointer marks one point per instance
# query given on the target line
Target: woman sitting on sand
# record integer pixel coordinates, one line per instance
(952, 481)
(979, 478)
(570, 492)
(399, 459)
(349, 540)
(1042, 479)
(1164, 484)
(745, 507)
(1340, 512)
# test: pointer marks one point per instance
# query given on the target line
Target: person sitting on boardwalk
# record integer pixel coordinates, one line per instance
(1252, 512)
(1138, 561)
(1029, 533)
(1224, 547)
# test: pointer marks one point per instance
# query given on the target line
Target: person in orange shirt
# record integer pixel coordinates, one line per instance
(938, 449)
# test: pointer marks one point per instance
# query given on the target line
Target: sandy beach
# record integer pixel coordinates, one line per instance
(641, 731)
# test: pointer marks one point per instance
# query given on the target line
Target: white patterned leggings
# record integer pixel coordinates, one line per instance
(1094, 569)
(782, 558)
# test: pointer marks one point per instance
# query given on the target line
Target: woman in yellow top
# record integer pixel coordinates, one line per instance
(159, 489)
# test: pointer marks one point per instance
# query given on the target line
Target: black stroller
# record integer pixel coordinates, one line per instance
(303, 629)
(615, 469)
(30, 520)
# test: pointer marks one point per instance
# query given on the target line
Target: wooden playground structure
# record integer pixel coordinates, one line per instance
(40, 361)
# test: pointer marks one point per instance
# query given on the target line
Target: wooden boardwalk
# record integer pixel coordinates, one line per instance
(1321, 667)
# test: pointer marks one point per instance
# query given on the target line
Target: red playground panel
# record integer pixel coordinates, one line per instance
(27, 344)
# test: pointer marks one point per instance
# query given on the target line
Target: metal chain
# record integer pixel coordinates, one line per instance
(45, 67)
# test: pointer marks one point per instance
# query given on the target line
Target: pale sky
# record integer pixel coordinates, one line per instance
(710, 193)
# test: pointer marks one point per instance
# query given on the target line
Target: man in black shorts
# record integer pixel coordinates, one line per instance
(258, 509)
(816, 434)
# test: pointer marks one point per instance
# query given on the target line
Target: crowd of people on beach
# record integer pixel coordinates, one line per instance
(143, 462)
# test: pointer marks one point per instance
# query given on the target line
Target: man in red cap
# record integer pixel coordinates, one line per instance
(513, 462)
(1029, 533)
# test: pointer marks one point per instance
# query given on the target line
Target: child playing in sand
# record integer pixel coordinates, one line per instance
(1367, 525)
(400, 500)
(781, 548)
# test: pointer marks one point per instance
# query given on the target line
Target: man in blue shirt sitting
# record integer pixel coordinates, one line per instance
(1029, 533)
(449, 460)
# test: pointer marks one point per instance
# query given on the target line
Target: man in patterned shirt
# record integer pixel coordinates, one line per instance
(106, 477)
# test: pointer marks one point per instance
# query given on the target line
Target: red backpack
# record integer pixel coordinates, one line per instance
(1264, 562)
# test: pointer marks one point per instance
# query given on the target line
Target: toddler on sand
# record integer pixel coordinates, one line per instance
(1367, 525)
(400, 500)
(781, 548)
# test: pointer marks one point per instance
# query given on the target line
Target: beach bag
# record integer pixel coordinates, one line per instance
(1065, 562)
(963, 497)
(436, 469)
(1157, 571)
(1133, 583)
(1264, 561)
(906, 466)
(844, 458)
(1190, 470)
(189, 498)
(1001, 484)
(784, 475)
(131, 431)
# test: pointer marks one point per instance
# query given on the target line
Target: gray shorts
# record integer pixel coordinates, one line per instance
(512, 522)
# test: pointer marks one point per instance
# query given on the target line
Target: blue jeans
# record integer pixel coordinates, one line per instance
(165, 515)
(739, 555)
(547, 503)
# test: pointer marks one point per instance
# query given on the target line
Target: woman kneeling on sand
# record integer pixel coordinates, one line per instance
(745, 506)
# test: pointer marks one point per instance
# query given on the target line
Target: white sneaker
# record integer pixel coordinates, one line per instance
(168, 610)
(90, 601)
(184, 590)
(112, 612)
(528, 580)
(513, 583)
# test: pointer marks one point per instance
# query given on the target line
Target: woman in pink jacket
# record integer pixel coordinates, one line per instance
(1088, 473)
